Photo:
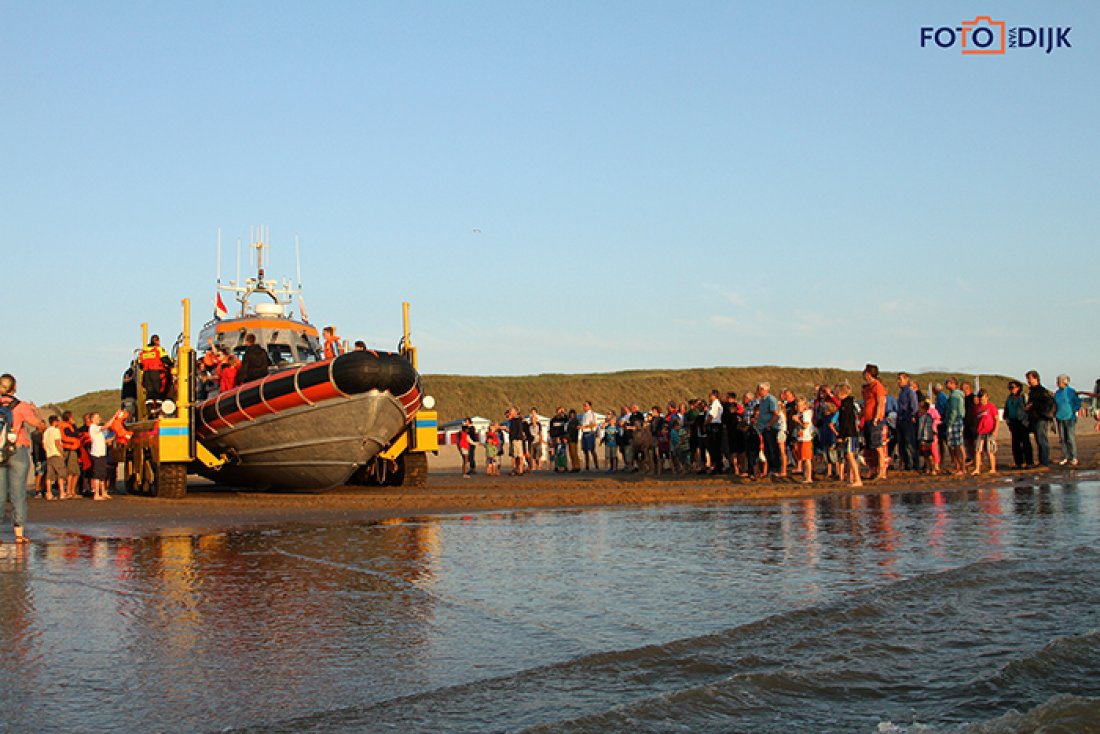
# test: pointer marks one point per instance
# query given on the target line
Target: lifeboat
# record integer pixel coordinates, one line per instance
(311, 425)
(311, 422)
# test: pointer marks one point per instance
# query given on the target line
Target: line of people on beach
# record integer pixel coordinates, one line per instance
(834, 433)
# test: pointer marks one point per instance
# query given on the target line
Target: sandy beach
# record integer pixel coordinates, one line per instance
(211, 508)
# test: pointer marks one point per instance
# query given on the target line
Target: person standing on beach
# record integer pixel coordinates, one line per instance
(908, 407)
(538, 439)
(70, 440)
(848, 435)
(15, 466)
(611, 441)
(1040, 412)
(573, 437)
(874, 417)
(557, 438)
(55, 459)
(802, 425)
(589, 428)
(1016, 417)
(1066, 406)
(956, 413)
(515, 440)
(988, 423)
(467, 442)
(941, 396)
(970, 420)
(714, 431)
(767, 424)
(97, 449)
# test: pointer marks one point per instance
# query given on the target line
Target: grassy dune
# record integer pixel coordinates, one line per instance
(461, 395)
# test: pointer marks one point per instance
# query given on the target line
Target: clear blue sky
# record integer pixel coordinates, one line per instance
(566, 186)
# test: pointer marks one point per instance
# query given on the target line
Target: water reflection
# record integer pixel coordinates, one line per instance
(240, 628)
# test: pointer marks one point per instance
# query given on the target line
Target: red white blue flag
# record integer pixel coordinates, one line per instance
(220, 311)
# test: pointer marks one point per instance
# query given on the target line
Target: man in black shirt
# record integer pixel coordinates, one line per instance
(557, 436)
(1040, 412)
(254, 361)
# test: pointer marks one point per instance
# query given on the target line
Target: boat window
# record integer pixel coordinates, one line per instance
(280, 354)
(306, 353)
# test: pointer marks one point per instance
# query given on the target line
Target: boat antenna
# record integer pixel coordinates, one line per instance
(238, 260)
(219, 255)
(298, 260)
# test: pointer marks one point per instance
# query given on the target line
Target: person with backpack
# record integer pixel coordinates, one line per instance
(15, 452)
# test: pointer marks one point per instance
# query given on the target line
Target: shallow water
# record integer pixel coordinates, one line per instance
(969, 611)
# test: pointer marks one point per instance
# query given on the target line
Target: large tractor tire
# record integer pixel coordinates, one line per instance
(172, 481)
(416, 469)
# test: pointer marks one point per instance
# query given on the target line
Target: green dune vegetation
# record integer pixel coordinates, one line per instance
(462, 395)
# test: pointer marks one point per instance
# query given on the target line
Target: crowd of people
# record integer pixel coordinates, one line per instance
(68, 459)
(951, 428)
(834, 433)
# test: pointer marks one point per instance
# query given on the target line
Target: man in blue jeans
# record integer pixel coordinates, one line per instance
(907, 423)
(14, 470)
(1040, 412)
(767, 425)
(1066, 405)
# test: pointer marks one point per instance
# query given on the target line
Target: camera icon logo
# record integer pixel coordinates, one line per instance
(983, 35)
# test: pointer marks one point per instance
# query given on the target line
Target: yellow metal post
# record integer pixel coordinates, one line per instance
(175, 432)
(408, 350)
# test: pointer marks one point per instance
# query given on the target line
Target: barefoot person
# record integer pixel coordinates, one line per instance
(986, 441)
(15, 461)
(956, 412)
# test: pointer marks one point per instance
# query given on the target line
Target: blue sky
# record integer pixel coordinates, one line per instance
(556, 187)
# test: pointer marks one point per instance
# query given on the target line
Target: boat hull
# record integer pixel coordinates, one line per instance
(312, 426)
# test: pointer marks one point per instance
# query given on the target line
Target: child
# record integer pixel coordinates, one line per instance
(803, 420)
(927, 431)
(988, 424)
(611, 442)
(492, 451)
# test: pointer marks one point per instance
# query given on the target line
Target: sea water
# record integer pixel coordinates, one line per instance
(968, 611)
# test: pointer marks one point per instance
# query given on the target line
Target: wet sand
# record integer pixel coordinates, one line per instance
(211, 508)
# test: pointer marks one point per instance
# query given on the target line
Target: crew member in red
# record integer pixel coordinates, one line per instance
(333, 347)
(154, 362)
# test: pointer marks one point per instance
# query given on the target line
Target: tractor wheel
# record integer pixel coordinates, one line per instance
(172, 481)
(416, 469)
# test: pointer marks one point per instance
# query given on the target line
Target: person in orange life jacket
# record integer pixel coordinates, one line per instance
(14, 470)
(70, 443)
(155, 363)
(333, 348)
